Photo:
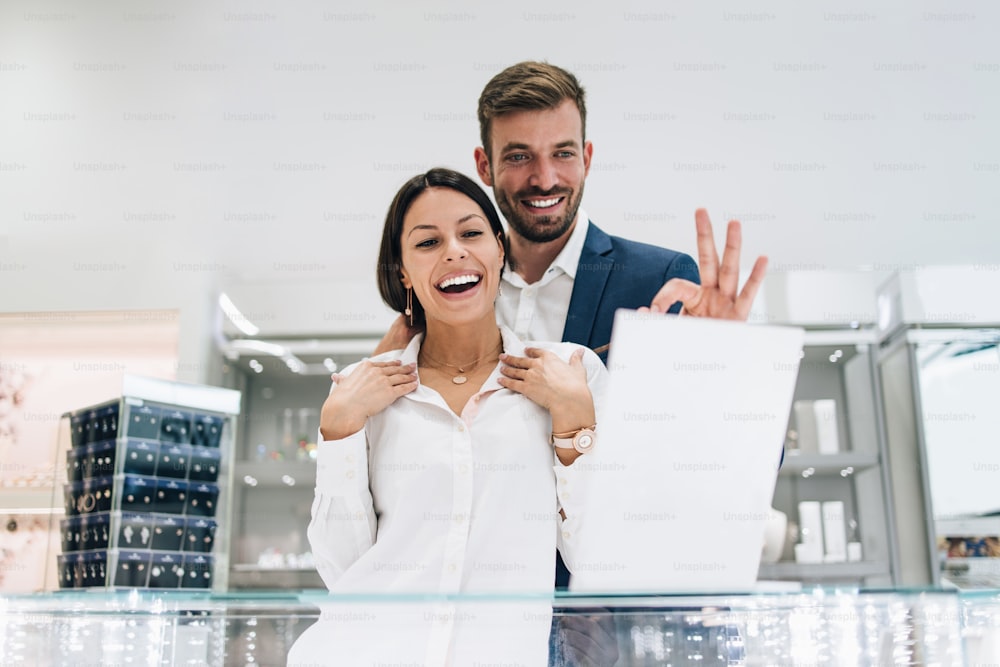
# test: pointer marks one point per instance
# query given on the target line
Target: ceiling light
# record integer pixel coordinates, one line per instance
(238, 319)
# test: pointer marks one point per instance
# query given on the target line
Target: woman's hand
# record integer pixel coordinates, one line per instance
(558, 386)
(369, 390)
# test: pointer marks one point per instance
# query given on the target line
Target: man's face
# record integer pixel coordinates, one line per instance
(537, 170)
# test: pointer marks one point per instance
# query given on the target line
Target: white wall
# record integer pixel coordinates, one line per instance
(152, 151)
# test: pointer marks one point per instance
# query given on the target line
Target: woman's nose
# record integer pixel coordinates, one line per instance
(455, 250)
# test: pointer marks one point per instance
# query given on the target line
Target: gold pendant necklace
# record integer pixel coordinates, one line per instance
(461, 378)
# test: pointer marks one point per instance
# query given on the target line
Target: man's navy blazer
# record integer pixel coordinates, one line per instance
(616, 273)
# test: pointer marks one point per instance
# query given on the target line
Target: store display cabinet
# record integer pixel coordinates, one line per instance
(834, 459)
(148, 479)
(939, 365)
(820, 626)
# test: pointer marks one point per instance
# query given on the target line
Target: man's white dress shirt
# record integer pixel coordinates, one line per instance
(426, 501)
(538, 311)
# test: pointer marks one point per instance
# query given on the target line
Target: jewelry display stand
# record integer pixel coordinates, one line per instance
(148, 479)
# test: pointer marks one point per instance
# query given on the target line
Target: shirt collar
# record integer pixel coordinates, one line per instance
(568, 258)
(511, 345)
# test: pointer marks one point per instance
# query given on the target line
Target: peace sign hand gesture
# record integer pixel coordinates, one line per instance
(716, 297)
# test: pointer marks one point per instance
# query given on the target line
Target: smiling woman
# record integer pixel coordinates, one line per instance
(458, 191)
(437, 469)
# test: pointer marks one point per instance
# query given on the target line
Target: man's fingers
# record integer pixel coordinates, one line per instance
(749, 292)
(708, 258)
(729, 274)
(676, 289)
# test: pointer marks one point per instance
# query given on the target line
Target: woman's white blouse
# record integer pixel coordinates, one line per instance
(424, 500)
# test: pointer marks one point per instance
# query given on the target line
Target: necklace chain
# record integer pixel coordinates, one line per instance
(470, 366)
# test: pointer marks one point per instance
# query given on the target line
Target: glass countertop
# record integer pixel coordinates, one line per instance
(832, 626)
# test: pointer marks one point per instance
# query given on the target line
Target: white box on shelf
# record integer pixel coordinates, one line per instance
(808, 553)
(853, 552)
(805, 424)
(834, 534)
(811, 524)
(827, 437)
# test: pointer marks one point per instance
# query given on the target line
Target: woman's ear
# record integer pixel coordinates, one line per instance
(502, 256)
(405, 279)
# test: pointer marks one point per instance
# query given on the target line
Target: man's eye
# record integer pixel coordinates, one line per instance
(565, 154)
(427, 244)
(517, 157)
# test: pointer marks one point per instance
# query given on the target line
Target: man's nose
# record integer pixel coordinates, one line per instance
(544, 175)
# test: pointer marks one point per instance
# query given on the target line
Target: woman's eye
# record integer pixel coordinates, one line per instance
(427, 244)
(471, 233)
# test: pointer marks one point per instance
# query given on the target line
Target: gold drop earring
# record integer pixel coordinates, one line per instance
(409, 305)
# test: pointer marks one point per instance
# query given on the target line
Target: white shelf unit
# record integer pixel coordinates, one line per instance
(839, 364)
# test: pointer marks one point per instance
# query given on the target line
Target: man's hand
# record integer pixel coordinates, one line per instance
(716, 297)
(397, 337)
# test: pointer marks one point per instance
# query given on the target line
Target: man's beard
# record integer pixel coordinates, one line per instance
(539, 229)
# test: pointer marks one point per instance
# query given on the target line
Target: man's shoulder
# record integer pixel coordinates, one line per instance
(623, 249)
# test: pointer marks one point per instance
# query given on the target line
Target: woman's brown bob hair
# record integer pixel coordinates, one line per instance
(390, 255)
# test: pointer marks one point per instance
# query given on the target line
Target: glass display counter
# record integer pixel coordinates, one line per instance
(811, 627)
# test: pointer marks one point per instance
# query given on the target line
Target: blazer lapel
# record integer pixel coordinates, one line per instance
(592, 274)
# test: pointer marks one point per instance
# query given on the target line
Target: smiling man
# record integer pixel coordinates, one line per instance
(567, 277)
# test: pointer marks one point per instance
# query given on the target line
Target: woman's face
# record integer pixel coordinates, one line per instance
(451, 258)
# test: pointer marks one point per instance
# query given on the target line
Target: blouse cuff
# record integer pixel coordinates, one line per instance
(342, 465)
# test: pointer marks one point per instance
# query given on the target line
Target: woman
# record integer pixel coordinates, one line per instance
(436, 470)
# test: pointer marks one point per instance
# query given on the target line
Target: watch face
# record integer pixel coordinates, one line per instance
(584, 441)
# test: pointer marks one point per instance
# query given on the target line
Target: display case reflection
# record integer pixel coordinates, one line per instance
(959, 387)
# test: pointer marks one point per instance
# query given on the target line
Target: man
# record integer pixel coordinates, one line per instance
(568, 277)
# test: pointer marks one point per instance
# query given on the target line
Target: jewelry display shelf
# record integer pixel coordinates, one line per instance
(146, 498)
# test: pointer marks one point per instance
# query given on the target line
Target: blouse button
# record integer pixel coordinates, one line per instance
(350, 474)
(460, 428)
(566, 535)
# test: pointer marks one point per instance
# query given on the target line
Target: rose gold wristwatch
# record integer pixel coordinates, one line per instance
(582, 439)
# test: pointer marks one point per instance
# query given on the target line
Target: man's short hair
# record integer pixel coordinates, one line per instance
(528, 86)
